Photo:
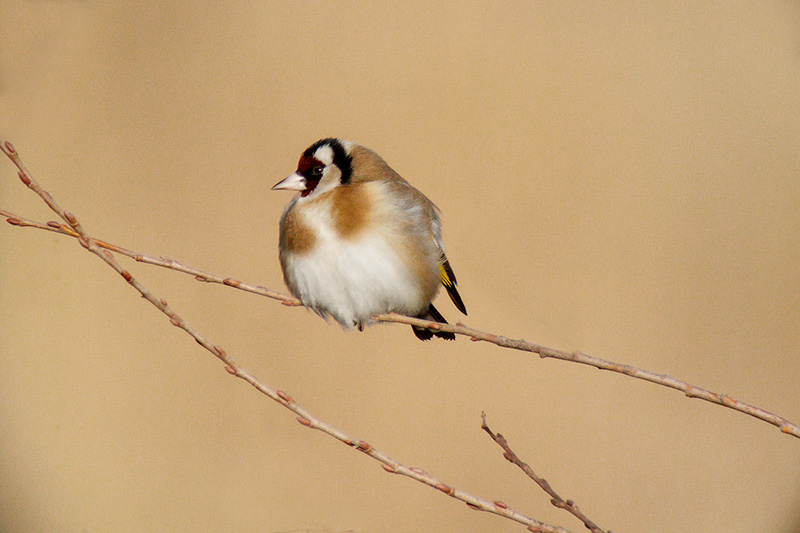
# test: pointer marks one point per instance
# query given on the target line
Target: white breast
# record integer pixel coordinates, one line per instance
(354, 279)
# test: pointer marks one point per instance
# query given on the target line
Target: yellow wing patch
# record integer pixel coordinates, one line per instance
(445, 277)
(449, 282)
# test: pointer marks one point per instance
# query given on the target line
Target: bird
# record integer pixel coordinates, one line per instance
(358, 240)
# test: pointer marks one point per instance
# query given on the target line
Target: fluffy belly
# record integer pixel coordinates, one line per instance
(356, 280)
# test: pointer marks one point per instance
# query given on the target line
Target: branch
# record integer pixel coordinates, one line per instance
(101, 249)
(555, 499)
(166, 262)
(688, 389)
(691, 391)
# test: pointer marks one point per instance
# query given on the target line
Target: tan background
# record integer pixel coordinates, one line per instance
(617, 179)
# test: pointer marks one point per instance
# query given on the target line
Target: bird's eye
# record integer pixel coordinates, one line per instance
(316, 171)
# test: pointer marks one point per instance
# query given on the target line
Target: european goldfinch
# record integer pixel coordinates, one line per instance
(359, 241)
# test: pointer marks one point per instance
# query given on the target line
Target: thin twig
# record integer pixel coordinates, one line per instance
(304, 417)
(688, 389)
(165, 262)
(555, 499)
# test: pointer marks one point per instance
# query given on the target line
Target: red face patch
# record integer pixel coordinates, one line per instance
(306, 163)
(305, 167)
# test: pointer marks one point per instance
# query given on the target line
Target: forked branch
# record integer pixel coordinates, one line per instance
(71, 227)
(102, 249)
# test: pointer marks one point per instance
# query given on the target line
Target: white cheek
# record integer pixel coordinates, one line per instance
(331, 178)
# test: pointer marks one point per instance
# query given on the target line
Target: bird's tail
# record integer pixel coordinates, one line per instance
(425, 334)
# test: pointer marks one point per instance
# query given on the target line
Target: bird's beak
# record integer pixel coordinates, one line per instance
(295, 182)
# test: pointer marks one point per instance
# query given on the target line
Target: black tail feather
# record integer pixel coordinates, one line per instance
(425, 334)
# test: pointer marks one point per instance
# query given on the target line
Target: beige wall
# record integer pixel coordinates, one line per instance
(617, 179)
